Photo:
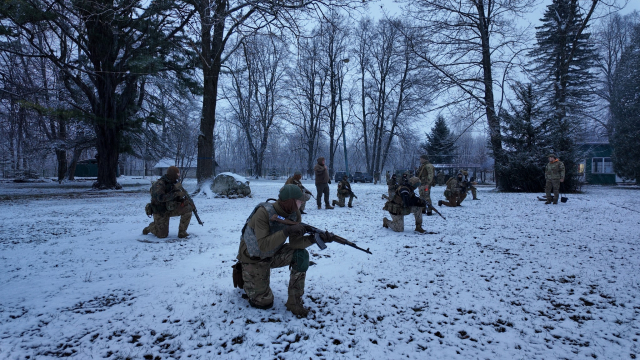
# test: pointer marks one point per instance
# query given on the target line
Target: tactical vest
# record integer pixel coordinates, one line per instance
(249, 236)
(159, 207)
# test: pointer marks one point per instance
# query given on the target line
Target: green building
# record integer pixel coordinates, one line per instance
(597, 168)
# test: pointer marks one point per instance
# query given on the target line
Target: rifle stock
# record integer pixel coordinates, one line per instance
(188, 198)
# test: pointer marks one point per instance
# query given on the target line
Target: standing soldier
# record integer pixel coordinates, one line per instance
(295, 180)
(440, 178)
(262, 248)
(404, 202)
(425, 174)
(322, 183)
(344, 190)
(168, 199)
(455, 192)
(554, 173)
(470, 183)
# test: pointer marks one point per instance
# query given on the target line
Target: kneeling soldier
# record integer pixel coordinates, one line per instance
(344, 190)
(262, 248)
(168, 199)
(455, 192)
(403, 203)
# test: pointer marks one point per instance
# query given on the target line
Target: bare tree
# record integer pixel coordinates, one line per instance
(256, 92)
(218, 21)
(467, 42)
(398, 84)
(307, 95)
(612, 35)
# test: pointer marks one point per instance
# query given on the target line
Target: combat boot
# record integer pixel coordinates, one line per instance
(182, 234)
(296, 306)
(385, 223)
(319, 207)
(439, 202)
(146, 231)
(420, 229)
(333, 203)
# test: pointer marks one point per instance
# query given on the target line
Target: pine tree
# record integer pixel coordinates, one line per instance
(564, 58)
(625, 108)
(523, 138)
(440, 143)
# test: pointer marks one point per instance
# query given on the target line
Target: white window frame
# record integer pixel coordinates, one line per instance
(597, 165)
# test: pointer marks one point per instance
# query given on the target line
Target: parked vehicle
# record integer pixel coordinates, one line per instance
(359, 176)
(340, 174)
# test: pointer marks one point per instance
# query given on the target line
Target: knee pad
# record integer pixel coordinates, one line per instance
(300, 260)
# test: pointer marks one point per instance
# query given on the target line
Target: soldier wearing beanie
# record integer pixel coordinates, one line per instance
(263, 247)
(554, 174)
(295, 180)
(168, 199)
(322, 183)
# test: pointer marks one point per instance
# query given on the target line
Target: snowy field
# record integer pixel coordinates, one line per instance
(506, 277)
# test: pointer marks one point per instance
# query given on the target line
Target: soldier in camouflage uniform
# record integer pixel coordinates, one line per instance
(263, 247)
(425, 174)
(168, 199)
(554, 173)
(392, 186)
(344, 190)
(470, 183)
(404, 202)
(455, 192)
(295, 180)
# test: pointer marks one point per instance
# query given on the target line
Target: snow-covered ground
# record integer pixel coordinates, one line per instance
(506, 277)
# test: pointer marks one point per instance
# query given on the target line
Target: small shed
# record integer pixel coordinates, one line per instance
(187, 166)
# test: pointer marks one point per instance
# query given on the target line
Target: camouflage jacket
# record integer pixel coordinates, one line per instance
(292, 181)
(269, 235)
(344, 188)
(164, 196)
(554, 170)
(405, 198)
(425, 173)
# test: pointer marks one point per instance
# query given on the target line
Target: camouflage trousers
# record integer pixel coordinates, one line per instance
(257, 277)
(473, 192)
(555, 186)
(397, 221)
(425, 194)
(455, 199)
(341, 200)
(160, 225)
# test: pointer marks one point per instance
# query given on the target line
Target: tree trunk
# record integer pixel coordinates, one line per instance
(211, 57)
(492, 119)
(77, 151)
(107, 145)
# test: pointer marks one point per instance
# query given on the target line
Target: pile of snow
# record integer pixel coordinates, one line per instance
(506, 277)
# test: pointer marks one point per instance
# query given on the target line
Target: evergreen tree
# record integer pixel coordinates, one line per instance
(440, 143)
(625, 108)
(564, 58)
(524, 141)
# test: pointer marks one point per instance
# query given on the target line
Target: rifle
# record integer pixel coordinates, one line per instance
(434, 209)
(188, 198)
(351, 193)
(316, 234)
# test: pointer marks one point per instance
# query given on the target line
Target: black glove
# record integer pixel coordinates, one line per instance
(327, 237)
(329, 181)
(294, 231)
